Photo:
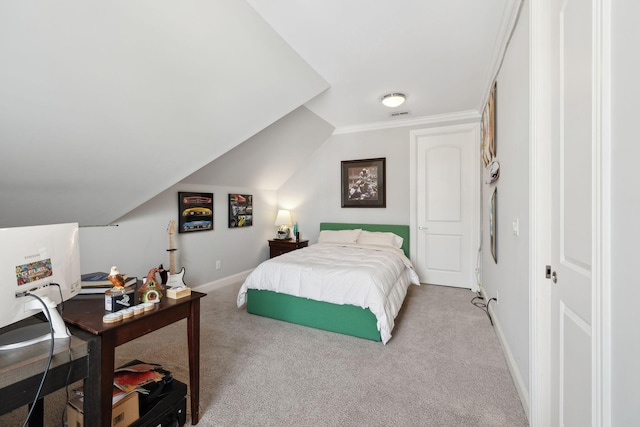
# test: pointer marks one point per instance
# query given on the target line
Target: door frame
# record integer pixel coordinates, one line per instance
(540, 219)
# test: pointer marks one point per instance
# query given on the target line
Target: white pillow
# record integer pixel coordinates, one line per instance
(380, 238)
(339, 236)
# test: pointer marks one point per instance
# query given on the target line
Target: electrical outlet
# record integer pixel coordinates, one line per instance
(218, 265)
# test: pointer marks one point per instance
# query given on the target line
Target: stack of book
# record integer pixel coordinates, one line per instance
(99, 283)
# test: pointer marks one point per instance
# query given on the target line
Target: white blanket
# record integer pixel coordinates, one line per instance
(368, 276)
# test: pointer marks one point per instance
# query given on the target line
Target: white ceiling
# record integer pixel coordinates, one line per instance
(105, 105)
(442, 54)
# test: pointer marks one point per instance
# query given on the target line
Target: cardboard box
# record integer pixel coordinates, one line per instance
(124, 412)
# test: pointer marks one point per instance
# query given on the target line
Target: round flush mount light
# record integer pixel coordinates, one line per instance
(393, 99)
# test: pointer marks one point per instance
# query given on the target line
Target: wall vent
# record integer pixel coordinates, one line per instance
(399, 113)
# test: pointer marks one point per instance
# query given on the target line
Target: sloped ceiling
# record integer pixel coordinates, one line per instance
(267, 159)
(103, 105)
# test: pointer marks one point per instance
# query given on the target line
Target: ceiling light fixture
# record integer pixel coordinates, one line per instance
(393, 99)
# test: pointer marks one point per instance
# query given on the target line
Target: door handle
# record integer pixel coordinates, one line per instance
(423, 228)
(554, 277)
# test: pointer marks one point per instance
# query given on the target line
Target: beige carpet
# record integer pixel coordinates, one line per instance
(443, 367)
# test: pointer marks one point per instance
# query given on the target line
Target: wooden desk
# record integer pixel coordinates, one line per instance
(21, 372)
(86, 314)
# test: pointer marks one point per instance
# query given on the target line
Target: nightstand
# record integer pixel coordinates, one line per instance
(279, 247)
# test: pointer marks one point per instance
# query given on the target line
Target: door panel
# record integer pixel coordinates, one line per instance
(447, 194)
(571, 215)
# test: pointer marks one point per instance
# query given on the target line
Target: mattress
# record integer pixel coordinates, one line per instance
(368, 276)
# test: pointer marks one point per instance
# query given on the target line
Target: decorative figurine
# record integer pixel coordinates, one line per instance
(116, 278)
(151, 289)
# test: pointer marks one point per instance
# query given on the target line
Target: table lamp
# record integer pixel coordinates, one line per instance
(283, 221)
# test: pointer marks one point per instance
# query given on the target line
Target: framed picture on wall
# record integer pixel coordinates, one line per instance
(493, 218)
(195, 212)
(488, 124)
(240, 210)
(363, 183)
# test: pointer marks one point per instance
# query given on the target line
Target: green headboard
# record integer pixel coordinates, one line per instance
(400, 230)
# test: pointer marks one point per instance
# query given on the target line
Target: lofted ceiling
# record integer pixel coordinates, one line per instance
(105, 105)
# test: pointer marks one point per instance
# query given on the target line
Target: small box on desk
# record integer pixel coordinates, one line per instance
(178, 293)
(125, 411)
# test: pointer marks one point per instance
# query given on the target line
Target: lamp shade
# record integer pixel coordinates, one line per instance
(283, 217)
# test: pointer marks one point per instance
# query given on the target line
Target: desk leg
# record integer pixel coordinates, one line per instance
(92, 389)
(107, 355)
(193, 334)
(37, 416)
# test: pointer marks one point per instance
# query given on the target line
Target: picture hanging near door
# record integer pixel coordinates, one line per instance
(363, 183)
(491, 165)
(493, 224)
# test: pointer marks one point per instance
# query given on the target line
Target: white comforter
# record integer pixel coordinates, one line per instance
(368, 276)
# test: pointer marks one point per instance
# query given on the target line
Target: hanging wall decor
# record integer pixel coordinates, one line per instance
(493, 218)
(240, 210)
(488, 128)
(363, 183)
(195, 212)
(491, 164)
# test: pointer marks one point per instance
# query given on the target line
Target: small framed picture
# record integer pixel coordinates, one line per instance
(363, 183)
(240, 210)
(195, 212)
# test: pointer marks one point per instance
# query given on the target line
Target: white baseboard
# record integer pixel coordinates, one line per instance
(221, 283)
(511, 362)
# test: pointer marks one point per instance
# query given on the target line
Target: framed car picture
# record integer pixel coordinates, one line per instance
(195, 212)
(240, 210)
(363, 183)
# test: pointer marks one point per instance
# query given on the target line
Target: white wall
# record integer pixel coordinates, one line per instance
(625, 199)
(139, 241)
(508, 280)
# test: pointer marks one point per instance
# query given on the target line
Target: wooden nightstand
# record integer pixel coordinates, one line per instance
(279, 247)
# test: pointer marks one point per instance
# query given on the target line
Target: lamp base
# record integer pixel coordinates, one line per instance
(282, 234)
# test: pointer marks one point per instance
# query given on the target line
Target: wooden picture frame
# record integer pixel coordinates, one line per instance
(240, 210)
(364, 183)
(195, 212)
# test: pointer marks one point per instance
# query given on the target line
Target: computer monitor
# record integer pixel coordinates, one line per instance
(32, 261)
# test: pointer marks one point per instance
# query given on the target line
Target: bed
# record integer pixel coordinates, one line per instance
(324, 285)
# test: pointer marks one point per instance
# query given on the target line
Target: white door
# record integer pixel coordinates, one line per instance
(445, 214)
(572, 139)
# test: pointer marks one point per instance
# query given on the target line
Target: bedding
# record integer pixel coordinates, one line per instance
(364, 270)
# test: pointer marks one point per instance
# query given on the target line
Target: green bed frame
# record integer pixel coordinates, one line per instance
(344, 319)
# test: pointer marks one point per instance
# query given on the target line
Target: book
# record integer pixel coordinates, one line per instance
(98, 279)
(90, 290)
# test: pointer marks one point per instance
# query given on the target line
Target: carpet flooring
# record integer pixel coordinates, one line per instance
(442, 367)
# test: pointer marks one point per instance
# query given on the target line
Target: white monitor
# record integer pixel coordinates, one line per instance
(32, 260)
